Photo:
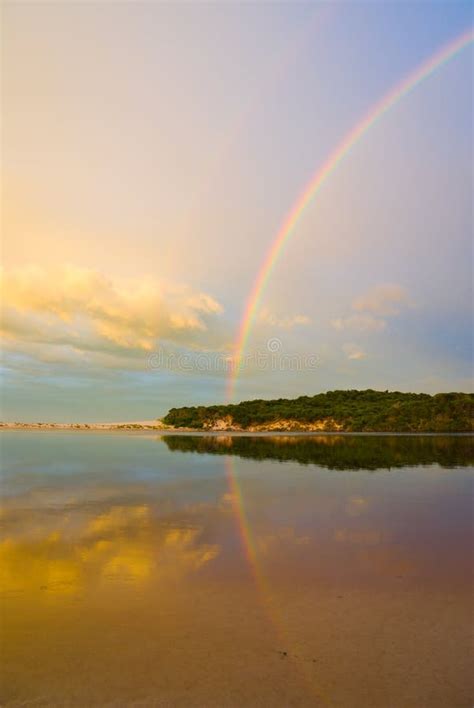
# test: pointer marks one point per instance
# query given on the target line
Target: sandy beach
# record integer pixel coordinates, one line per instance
(105, 427)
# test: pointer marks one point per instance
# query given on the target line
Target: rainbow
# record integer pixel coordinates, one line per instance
(389, 100)
(287, 230)
(244, 529)
(264, 590)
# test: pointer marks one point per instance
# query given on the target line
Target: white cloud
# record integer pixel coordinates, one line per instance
(353, 351)
(364, 322)
(387, 299)
(371, 308)
(269, 318)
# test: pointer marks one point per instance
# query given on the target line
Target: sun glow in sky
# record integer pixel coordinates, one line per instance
(150, 154)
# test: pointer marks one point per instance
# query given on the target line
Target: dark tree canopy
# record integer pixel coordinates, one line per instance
(348, 411)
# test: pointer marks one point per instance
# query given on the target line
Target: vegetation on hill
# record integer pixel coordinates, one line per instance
(336, 452)
(348, 411)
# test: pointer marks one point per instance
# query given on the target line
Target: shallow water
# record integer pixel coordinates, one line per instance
(231, 571)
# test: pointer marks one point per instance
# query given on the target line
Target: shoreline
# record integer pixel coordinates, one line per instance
(152, 426)
(158, 428)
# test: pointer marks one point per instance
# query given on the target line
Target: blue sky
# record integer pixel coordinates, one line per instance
(151, 153)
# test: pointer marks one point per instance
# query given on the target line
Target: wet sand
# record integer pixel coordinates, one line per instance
(132, 576)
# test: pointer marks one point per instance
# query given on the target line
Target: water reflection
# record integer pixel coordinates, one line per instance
(81, 548)
(337, 452)
(124, 579)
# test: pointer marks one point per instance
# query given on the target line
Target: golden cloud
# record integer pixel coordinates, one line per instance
(82, 309)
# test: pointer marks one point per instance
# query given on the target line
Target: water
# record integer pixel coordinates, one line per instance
(236, 571)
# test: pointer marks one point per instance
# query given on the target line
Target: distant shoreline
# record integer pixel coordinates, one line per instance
(334, 412)
(159, 428)
(139, 426)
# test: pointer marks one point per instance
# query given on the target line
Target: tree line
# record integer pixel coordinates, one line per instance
(348, 411)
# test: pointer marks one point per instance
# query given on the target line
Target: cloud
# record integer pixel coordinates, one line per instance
(370, 309)
(385, 300)
(364, 322)
(269, 318)
(353, 351)
(82, 309)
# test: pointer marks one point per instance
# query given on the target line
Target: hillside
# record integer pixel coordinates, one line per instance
(338, 411)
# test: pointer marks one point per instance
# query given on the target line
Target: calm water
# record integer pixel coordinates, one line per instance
(236, 571)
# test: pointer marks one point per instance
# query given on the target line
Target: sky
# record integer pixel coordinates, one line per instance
(151, 153)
